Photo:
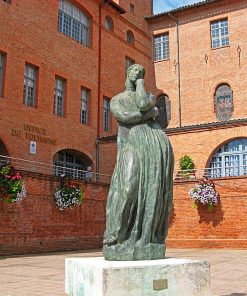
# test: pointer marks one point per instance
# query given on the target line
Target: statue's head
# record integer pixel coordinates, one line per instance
(134, 72)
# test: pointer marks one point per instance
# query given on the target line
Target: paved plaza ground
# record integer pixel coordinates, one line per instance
(43, 274)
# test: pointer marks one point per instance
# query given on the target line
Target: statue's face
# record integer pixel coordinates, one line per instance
(136, 73)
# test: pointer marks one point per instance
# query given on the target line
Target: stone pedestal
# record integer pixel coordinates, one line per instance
(168, 277)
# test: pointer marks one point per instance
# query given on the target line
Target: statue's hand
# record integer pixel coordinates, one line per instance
(152, 113)
(139, 81)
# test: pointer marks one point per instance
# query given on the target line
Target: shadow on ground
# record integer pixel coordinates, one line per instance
(235, 294)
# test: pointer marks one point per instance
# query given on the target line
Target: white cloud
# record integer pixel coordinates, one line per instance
(165, 5)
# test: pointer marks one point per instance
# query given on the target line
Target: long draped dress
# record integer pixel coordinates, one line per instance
(140, 196)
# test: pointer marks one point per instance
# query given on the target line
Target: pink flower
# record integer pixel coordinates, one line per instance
(18, 176)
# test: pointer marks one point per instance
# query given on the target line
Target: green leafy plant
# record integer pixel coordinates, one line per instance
(69, 195)
(187, 166)
(12, 187)
(186, 163)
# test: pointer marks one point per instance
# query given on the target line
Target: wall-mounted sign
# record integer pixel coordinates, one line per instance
(33, 134)
(33, 147)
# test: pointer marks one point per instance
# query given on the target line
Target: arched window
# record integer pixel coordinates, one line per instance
(223, 102)
(3, 153)
(229, 160)
(130, 37)
(73, 22)
(109, 23)
(71, 163)
(164, 105)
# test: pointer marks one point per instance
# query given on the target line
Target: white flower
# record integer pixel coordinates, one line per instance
(205, 193)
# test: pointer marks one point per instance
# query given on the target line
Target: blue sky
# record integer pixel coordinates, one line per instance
(164, 5)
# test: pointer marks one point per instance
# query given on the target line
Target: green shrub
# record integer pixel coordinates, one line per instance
(186, 163)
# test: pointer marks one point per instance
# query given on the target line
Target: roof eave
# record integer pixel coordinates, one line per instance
(115, 6)
(180, 9)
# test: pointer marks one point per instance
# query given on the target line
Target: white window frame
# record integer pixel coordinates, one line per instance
(59, 96)
(219, 33)
(84, 110)
(161, 47)
(29, 89)
(230, 160)
(73, 22)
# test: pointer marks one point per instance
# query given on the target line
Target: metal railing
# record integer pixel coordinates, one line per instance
(54, 170)
(71, 173)
(218, 172)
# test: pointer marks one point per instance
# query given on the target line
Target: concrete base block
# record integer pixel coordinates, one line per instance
(168, 277)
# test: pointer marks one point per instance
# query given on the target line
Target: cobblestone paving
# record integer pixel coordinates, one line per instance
(43, 274)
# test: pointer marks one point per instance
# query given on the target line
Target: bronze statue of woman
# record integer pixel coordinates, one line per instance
(140, 196)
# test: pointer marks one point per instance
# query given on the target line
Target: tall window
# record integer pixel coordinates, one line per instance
(85, 95)
(132, 8)
(219, 33)
(73, 22)
(229, 160)
(106, 114)
(161, 47)
(130, 37)
(128, 63)
(59, 97)
(30, 77)
(2, 64)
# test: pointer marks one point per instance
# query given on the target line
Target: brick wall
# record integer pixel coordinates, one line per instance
(37, 225)
(107, 159)
(201, 145)
(225, 227)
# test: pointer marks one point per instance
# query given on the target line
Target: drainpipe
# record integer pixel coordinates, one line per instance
(99, 89)
(178, 73)
(97, 160)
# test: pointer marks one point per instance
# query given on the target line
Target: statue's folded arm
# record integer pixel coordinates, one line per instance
(122, 114)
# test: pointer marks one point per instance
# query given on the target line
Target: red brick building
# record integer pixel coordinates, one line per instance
(200, 64)
(60, 63)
